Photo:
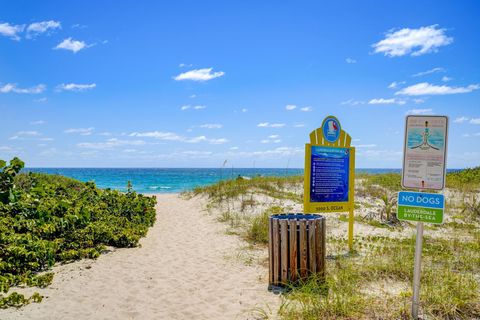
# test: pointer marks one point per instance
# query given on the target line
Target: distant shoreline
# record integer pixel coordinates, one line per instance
(176, 180)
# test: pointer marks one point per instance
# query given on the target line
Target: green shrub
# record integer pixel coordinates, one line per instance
(49, 218)
(464, 179)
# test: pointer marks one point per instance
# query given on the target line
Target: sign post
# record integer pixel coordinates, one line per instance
(424, 167)
(329, 179)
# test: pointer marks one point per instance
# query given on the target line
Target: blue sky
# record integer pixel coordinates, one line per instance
(191, 84)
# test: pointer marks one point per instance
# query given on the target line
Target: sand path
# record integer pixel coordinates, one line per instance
(183, 270)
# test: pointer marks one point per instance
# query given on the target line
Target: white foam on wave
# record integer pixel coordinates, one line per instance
(158, 187)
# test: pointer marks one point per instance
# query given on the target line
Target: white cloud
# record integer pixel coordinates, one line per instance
(218, 141)
(12, 87)
(75, 87)
(290, 107)
(280, 151)
(186, 107)
(420, 111)
(170, 136)
(468, 135)
(272, 139)
(72, 45)
(41, 27)
(461, 119)
(78, 26)
(446, 79)
(110, 144)
(387, 101)
(350, 60)
(199, 75)
(37, 122)
(418, 101)
(28, 133)
(11, 31)
(41, 100)
(270, 125)
(234, 148)
(273, 136)
(196, 153)
(244, 110)
(211, 126)
(306, 109)
(475, 121)
(195, 139)
(423, 73)
(81, 131)
(425, 88)
(412, 41)
(352, 102)
(395, 84)
(366, 146)
(299, 125)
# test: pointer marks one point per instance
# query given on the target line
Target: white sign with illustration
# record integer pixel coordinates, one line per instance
(424, 153)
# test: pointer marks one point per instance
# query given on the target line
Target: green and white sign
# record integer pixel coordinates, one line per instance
(421, 207)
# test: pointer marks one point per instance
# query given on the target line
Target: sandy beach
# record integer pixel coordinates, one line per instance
(186, 268)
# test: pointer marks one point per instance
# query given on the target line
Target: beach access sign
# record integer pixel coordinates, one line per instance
(424, 154)
(329, 179)
(421, 207)
(329, 169)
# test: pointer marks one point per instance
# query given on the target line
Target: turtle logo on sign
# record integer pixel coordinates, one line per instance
(331, 129)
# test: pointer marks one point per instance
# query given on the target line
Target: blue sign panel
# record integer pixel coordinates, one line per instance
(329, 174)
(331, 129)
(421, 199)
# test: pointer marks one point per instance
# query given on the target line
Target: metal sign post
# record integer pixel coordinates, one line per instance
(417, 270)
(424, 167)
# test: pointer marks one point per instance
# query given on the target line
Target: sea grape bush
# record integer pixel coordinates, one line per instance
(7, 176)
(46, 219)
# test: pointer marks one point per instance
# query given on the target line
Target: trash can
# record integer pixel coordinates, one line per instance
(296, 248)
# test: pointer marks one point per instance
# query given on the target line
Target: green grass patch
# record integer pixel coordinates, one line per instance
(449, 289)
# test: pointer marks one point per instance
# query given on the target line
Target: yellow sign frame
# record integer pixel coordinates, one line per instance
(317, 138)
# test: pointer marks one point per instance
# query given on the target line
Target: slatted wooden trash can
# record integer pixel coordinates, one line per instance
(296, 248)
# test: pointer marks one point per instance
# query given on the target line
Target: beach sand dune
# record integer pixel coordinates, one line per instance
(181, 271)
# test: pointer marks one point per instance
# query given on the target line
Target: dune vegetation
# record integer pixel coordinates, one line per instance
(48, 219)
(374, 282)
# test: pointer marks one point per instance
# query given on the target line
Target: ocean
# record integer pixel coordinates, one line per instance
(167, 180)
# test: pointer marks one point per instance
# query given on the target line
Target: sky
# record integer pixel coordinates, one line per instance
(195, 83)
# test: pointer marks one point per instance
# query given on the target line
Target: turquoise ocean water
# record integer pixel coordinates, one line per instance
(165, 180)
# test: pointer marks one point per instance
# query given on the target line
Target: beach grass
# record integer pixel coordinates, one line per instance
(375, 282)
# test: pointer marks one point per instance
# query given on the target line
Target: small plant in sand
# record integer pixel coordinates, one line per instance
(471, 206)
(257, 229)
(387, 212)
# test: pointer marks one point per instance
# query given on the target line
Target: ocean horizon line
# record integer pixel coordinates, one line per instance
(204, 168)
(167, 180)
